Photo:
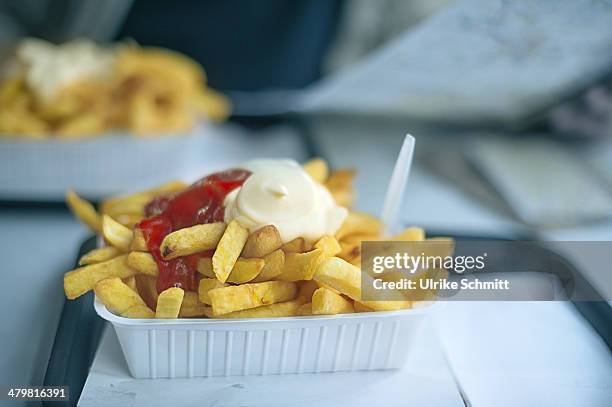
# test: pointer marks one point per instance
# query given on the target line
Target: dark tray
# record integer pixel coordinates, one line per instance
(80, 329)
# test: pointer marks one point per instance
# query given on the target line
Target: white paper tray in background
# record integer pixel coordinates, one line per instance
(119, 163)
(240, 347)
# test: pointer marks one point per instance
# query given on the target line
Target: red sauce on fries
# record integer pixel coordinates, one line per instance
(200, 203)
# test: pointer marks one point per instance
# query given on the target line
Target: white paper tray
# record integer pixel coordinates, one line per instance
(209, 347)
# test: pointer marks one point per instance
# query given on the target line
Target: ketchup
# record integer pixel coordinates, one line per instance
(201, 203)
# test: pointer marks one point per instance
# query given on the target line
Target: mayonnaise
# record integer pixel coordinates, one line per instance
(281, 193)
(49, 67)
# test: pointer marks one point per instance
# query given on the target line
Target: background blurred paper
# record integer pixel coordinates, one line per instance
(474, 62)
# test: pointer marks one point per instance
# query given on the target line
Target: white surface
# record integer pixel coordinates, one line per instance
(526, 354)
(267, 346)
(425, 381)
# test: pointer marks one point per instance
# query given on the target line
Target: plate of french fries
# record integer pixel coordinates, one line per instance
(163, 269)
(83, 89)
(96, 116)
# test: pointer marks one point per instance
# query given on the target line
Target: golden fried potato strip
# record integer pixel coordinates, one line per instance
(235, 298)
(346, 279)
(84, 211)
(329, 245)
(318, 169)
(191, 306)
(116, 295)
(301, 266)
(281, 309)
(192, 240)
(169, 303)
(116, 234)
(207, 284)
(327, 302)
(274, 264)
(359, 223)
(99, 255)
(262, 242)
(143, 262)
(81, 280)
(340, 185)
(228, 250)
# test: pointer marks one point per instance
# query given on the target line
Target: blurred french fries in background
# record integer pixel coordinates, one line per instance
(245, 274)
(317, 169)
(144, 90)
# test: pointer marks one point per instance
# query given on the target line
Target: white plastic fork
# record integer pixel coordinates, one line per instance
(397, 185)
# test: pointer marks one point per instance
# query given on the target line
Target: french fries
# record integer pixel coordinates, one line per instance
(306, 289)
(240, 273)
(346, 279)
(143, 262)
(357, 223)
(244, 270)
(131, 282)
(84, 211)
(304, 309)
(134, 204)
(117, 296)
(340, 185)
(169, 303)
(191, 240)
(301, 266)
(139, 243)
(277, 310)
(327, 302)
(79, 281)
(297, 245)
(99, 255)
(205, 285)
(235, 298)
(274, 264)
(359, 307)
(262, 242)
(229, 248)
(144, 90)
(116, 234)
(317, 169)
(138, 311)
(191, 306)
(410, 234)
(329, 245)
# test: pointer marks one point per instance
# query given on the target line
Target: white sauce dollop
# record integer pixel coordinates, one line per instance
(281, 193)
